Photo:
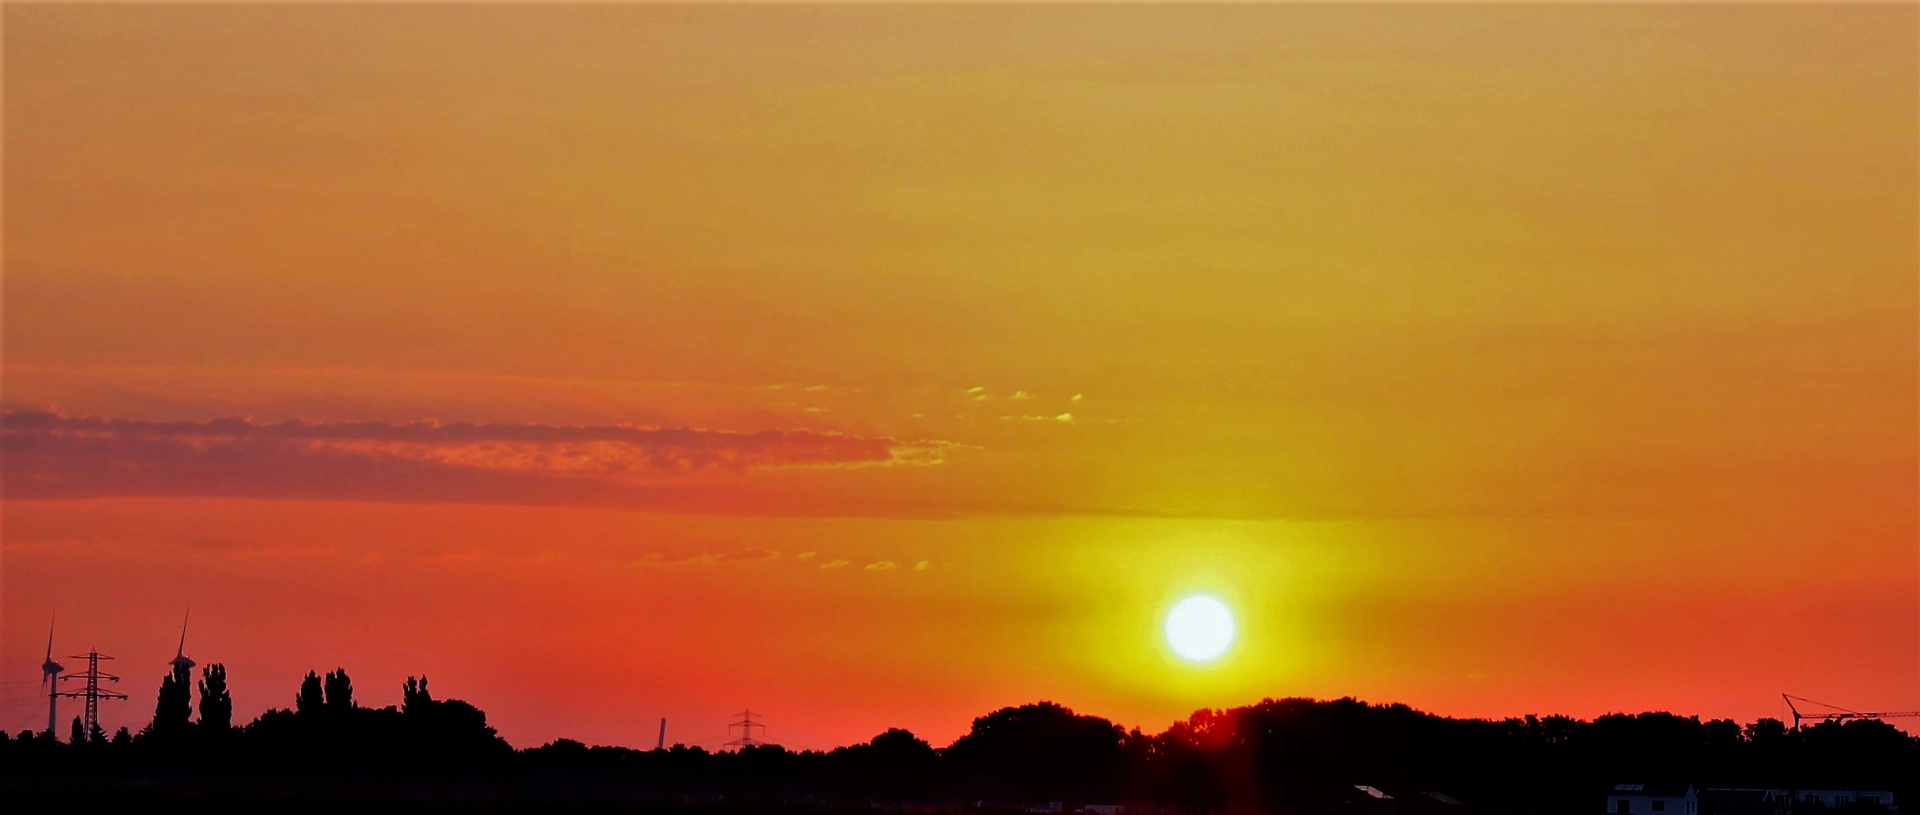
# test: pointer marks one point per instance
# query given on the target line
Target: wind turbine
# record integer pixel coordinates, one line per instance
(50, 679)
(180, 661)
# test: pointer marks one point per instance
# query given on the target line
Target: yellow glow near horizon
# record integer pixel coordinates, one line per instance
(1199, 628)
(1123, 579)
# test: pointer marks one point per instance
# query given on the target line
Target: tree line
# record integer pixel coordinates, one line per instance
(1279, 755)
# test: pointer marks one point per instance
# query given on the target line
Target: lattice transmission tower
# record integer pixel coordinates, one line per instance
(746, 725)
(92, 693)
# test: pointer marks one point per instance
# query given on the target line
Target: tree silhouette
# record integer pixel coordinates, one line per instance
(216, 704)
(1299, 756)
(339, 691)
(414, 698)
(310, 700)
(448, 727)
(1041, 752)
(1767, 731)
(172, 715)
(897, 751)
(899, 763)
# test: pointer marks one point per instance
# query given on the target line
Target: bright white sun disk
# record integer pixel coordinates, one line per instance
(1199, 628)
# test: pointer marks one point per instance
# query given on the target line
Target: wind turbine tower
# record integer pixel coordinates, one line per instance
(180, 659)
(50, 680)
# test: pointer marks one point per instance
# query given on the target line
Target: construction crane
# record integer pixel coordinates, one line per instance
(1838, 713)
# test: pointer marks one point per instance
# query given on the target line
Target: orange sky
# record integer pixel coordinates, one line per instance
(878, 366)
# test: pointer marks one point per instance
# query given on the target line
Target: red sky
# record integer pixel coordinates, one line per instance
(880, 366)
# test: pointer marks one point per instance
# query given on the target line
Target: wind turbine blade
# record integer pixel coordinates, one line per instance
(50, 637)
(182, 650)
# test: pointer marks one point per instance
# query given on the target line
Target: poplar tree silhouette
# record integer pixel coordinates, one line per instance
(172, 715)
(311, 700)
(216, 704)
(414, 698)
(78, 735)
(339, 690)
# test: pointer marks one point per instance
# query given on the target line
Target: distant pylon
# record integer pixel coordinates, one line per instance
(92, 693)
(746, 725)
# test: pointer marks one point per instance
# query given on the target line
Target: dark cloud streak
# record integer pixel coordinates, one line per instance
(48, 456)
(662, 448)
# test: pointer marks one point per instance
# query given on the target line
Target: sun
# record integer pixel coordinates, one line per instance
(1199, 628)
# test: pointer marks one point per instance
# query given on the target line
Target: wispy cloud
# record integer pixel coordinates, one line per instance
(881, 566)
(539, 447)
(50, 456)
(746, 554)
(836, 564)
(1063, 418)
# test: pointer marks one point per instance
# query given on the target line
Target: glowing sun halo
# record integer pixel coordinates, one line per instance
(1199, 628)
